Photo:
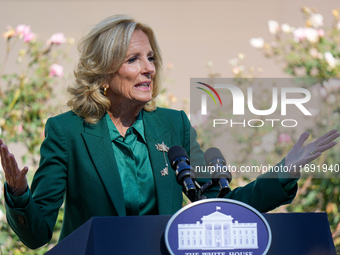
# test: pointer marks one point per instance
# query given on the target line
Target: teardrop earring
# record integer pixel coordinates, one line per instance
(105, 91)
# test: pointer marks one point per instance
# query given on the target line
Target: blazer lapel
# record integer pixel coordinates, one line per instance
(97, 139)
(156, 133)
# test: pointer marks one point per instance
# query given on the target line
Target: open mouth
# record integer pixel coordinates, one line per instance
(143, 85)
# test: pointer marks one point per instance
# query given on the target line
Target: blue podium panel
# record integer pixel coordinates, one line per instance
(292, 233)
(117, 236)
(300, 233)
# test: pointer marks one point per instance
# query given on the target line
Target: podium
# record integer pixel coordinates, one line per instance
(292, 233)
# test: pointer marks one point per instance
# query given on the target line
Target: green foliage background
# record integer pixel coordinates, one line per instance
(25, 106)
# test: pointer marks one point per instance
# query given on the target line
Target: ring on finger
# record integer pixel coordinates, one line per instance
(312, 152)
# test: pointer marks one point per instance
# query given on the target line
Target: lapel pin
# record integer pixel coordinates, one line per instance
(165, 171)
(164, 148)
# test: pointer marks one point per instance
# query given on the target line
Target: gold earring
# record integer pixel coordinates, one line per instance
(105, 91)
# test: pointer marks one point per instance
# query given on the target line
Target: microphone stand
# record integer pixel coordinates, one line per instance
(201, 189)
(204, 187)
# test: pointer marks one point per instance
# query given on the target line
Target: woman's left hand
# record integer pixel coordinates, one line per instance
(301, 155)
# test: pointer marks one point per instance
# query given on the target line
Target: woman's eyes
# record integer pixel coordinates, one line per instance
(133, 59)
(151, 59)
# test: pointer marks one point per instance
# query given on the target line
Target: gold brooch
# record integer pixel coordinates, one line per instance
(162, 147)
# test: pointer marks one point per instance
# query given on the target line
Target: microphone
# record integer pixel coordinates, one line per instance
(221, 176)
(185, 174)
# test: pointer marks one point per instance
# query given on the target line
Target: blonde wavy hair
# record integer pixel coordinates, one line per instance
(102, 52)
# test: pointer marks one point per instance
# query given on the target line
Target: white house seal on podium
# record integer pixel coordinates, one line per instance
(218, 226)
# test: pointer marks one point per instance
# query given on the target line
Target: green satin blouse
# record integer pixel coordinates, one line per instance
(132, 157)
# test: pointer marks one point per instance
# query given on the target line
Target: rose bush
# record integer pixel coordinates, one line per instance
(25, 105)
(312, 51)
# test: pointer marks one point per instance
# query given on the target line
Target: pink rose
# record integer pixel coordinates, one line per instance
(57, 38)
(56, 70)
(20, 128)
(23, 29)
(284, 138)
(321, 32)
(28, 37)
(299, 34)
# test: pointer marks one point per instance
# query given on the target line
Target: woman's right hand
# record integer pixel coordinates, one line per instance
(16, 178)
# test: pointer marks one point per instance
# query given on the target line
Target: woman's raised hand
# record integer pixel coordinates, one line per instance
(301, 155)
(16, 178)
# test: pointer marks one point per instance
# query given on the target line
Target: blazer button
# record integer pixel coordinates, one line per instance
(21, 220)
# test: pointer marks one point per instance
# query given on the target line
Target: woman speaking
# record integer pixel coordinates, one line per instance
(105, 156)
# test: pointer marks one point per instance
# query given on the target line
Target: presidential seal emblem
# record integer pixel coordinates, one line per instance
(218, 227)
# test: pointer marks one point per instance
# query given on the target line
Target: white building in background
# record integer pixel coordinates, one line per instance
(217, 231)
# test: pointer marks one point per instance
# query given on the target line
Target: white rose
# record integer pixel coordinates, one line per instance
(331, 61)
(286, 28)
(274, 27)
(312, 35)
(236, 70)
(257, 43)
(316, 20)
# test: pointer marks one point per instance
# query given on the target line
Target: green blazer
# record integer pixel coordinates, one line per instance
(78, 167)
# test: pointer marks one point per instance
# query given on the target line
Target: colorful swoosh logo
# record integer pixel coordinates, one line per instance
(209, 93)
